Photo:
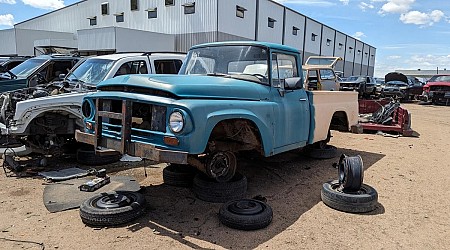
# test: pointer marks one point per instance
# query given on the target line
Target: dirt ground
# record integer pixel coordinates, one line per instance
(411, 176)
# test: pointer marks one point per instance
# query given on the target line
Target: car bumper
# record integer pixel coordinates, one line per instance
(144, 150)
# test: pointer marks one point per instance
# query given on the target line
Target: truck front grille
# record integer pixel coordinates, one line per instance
(440, 88)
(143, 119)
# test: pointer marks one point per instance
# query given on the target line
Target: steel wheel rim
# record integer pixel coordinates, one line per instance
(111, 201)
(246, 207)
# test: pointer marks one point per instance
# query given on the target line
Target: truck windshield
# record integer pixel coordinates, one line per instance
(91, 71)
(235, 61)
(26, 68)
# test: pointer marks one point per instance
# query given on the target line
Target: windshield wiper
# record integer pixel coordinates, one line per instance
(218, 74)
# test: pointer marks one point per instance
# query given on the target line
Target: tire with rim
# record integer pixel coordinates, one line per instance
(88, 157)
(245, 214)
(179, 175)
(208, 189)
(327, 152)
(361, 201)
(112, 208)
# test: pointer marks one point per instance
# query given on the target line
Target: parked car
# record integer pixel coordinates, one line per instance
(38, 70)
(400, 86)
(379, 84)
(45, 117)
(364, 85)
(12, 62)
(220, 104)
(437, 90)
(319, 74)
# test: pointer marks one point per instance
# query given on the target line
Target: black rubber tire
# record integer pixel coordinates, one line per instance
(362, 201)
(328, 152)
(179, 175)
(94, 216)
(88, 157)
(351, 172)
(246, 214)
(207, 189)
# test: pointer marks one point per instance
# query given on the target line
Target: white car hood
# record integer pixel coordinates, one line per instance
(49, 102)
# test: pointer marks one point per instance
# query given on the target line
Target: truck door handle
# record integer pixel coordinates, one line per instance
(303, 99)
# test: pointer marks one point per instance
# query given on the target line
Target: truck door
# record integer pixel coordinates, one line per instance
(292, 112)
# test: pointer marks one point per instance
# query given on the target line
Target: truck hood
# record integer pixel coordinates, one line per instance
(189, 86)
(395, 76)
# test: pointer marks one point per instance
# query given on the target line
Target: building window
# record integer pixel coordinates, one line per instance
(328, 42)
(119, 17)
(92, 21)
(295, 30)
(134, 4)
(340, 45)
(359, 52)
(105, 8)
(366, 54)
(240, 11)
(189, 8)
(271, 22)
(350, 49)
(313, 37)
(170, 2)
(152, 13)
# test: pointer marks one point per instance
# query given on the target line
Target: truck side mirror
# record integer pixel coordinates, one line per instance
(293, 83)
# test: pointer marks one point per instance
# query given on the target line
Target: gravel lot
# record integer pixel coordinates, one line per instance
(410, 175)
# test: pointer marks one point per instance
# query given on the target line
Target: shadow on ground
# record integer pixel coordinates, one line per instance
(290, 182)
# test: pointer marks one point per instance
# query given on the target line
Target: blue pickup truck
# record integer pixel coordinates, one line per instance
(228, 97)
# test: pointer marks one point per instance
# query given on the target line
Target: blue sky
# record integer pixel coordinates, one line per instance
(408, 34)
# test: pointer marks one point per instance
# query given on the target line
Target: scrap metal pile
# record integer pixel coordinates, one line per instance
(385, 115)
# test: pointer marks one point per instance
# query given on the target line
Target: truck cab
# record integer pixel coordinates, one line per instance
(319, 73)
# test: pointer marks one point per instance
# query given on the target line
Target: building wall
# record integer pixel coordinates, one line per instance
(214, 20)
(328, 40)
(313, 35)
(8, 42)
(25, 39)
(339, 50)
(292, 19)
(266, 10)
(228, 21)
(349, 56)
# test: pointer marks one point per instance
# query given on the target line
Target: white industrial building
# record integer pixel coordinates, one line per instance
(107, 26)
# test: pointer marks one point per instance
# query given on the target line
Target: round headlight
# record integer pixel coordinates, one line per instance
(86, 109)
(176, 121)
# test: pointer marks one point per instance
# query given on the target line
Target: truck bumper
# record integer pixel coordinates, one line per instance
(142, 150)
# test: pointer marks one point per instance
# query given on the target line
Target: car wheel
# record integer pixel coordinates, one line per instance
(361, 201)
(113, 208)
(246, 214)
(327, 152)
(88, 157)
(179, 175)
(208, 189)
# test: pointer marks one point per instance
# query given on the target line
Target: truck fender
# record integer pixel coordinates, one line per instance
(264, 129)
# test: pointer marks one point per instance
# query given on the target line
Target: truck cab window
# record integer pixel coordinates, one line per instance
(283, 66)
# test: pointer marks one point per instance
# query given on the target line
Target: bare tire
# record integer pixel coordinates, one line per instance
(326, 152)
(246, 214)
(113, 208)
(88, 157)
(208, 189)
(179, 175)
(361, 201)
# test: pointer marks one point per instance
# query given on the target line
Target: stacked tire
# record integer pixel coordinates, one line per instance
(348, 193)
